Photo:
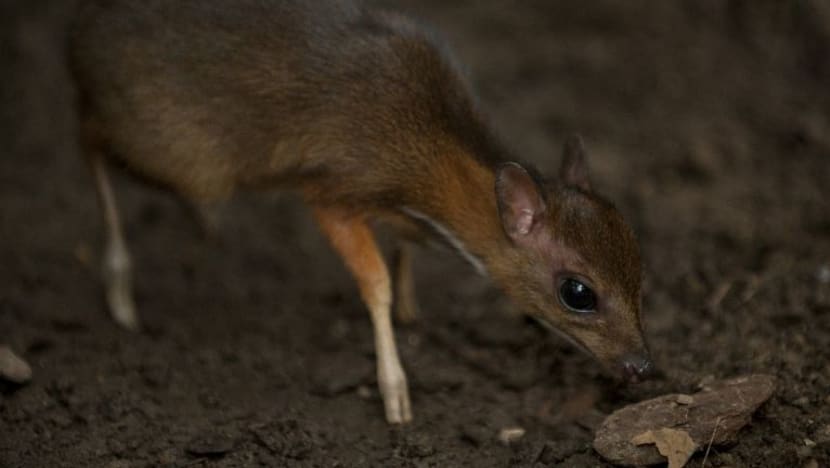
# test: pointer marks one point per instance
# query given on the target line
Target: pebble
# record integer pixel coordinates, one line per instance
(13, 368)
(509, 435)
(685, 400)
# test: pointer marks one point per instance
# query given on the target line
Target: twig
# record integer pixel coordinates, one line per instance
(711, 439)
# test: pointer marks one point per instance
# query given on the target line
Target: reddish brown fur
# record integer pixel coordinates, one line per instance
(363, 112)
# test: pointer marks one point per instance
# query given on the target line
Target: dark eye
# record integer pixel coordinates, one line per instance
(577, 297)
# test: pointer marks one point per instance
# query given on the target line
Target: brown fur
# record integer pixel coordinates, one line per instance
(361, 111)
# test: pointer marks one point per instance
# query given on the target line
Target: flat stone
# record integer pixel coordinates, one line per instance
(685, 399)
(715, 414)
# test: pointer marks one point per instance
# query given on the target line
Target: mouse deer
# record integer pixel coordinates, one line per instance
(367, 116)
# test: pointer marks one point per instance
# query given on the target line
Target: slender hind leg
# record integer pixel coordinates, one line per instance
(406, 304)
(116, 262)
(354, 241)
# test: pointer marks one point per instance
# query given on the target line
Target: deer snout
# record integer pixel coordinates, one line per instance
(637, 367)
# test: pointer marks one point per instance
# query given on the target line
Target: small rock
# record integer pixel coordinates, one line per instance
(13, 368)
(509, 435)
(823, 274)
(716, 414)
(211, 444)
(809, 443)
(685, 400)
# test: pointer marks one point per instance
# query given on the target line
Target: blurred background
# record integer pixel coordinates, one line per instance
(707, 123)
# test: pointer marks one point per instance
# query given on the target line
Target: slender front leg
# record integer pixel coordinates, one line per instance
(354, 241)
(406, 305)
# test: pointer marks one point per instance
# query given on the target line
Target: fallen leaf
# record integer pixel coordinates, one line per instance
(677, 446)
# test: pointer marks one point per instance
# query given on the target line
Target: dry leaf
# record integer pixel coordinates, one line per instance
(677, 446)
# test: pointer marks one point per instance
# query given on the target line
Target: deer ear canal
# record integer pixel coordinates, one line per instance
(574, 168)
(520, 201)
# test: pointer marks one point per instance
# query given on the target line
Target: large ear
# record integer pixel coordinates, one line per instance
(520, 201)
(574, 168)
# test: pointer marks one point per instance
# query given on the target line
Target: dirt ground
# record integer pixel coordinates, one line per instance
(708, 124)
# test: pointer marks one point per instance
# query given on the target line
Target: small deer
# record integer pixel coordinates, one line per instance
(367, 116)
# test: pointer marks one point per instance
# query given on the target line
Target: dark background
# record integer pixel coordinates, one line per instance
(708, 125)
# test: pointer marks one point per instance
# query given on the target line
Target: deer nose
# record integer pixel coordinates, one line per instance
(637, 367)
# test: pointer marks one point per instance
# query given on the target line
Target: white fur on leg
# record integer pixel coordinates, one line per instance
(116, 258)
(117, 272)
(391, 377)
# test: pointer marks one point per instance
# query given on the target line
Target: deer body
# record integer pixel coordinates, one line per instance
(368, 118)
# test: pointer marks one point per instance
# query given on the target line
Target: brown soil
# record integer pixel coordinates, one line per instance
(708, 124)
